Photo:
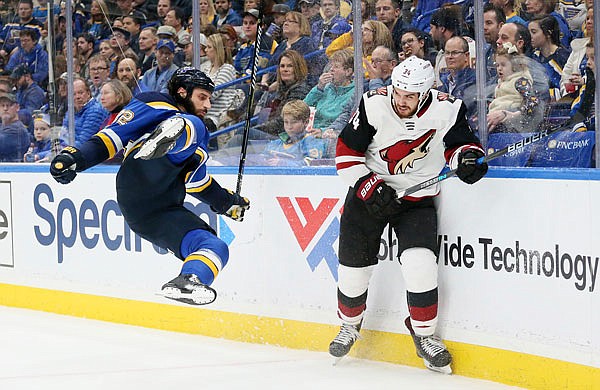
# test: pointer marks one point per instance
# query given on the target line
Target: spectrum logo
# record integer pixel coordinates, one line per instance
(318, 235)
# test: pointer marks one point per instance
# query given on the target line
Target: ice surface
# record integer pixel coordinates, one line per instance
(47, 351)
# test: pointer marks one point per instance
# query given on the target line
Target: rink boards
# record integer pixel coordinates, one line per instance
(519, 264)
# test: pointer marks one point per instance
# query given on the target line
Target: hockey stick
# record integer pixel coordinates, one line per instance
(517, 146)
(251, 90)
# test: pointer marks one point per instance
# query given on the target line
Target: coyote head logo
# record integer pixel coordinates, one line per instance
(402, 155)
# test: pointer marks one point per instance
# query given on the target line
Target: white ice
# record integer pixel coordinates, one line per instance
(47, 351)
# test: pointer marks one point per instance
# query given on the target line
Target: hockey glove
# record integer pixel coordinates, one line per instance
(62, 167)
(380, 199)
(235, 208)
(469, 170)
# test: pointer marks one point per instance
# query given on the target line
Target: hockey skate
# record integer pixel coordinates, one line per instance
(188, 289)
(432, 350)
(341, 344)
(162, 139)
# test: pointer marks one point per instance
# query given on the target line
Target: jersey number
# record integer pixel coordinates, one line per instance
(124, 117)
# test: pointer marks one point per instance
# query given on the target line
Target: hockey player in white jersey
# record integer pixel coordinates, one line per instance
(399, 136)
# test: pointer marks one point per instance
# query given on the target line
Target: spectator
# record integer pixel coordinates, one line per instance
(511, 10)
(518, 35)
(98, 25)
(545, 40)
(278, 14)
(133, 23)
(388, 12)
(292, 73)
(156, 79)
(115, 95)
(99, 68)
(129, 73)
(461, 79)
(162, 7)
(415, 42)
(333, 90)
(30, 96)
(230, 37)
(583, 112)
(374, 33)
(89, 114)
(166, 32)
(574, 13)
(244, 59)
(537, 8)
(296, 34)
(184, 53)
(311, 9)
(147, 44)
(225, 14)
(493, 19)
(219, 68)
(24, 20)
(572, 80)
(175, 18)
(119, 42)
(32, 55)
(14, 137)
(445, 24)
(85, 50)
(380, 67)
(42, 144)
(106, 50)
(294, 146)
(331, 26)
(515, 103)
(125, 7)
(207, 12)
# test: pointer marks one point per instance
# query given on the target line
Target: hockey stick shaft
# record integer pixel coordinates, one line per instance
(517, 146)
(251, 90)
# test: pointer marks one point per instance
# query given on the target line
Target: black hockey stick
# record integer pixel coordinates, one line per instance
(517, 146)
(251, 90)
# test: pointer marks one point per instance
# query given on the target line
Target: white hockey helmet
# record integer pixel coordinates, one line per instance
(414, 75)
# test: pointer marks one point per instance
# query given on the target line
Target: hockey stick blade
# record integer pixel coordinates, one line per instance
(514, 147)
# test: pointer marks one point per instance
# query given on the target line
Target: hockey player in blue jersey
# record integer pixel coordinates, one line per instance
(165, 144)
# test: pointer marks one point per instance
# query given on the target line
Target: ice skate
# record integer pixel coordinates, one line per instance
(188, 289)
(162, 139)
(341, 344)
(432, 350)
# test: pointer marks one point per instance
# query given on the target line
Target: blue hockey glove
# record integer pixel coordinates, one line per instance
(63, 166)
(381, 200)
(235, 208)
(469, 170)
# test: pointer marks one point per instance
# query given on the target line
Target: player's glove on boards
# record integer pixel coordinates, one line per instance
(235, 208)
(381, 199)
(469, 170)
(63, 167)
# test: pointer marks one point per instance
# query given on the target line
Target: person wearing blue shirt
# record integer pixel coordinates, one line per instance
(89, 113)
(32, 55)
(14, 137)
(30, 96)
(166, 159)
(156, 78)
(24, 20)
(294, 146)
(331, 26)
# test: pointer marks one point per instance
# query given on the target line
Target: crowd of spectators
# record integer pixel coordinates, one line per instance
(537, 59)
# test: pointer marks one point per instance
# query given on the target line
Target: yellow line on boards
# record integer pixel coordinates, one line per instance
(509, 367)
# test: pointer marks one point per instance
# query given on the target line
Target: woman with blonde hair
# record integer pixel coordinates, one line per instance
(207, 12)
(220, 69)
(296, 33)
(99, 22)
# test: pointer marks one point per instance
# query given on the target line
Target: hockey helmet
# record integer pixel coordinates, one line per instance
(414, 75)
(189, 78)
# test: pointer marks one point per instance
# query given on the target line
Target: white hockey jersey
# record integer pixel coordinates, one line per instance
(403, 152)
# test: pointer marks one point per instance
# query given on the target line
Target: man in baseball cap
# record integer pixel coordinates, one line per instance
(156, 78)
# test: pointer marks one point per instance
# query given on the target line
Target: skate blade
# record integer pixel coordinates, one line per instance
(337, 360)
(202, 296)
(162, 140)
(447, 370)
